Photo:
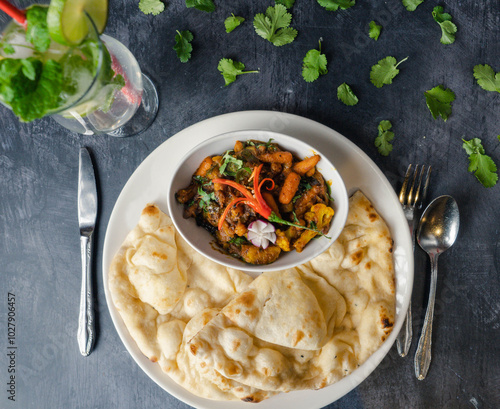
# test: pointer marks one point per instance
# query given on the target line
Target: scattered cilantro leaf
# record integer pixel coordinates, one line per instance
(183, 46)
(153, 7)
(274, 25)
(486, 78)
(203, 5)
(231, 69)
(482, 165)
(287, 3)
(439, 101)
(37, 31)
(314, 65)
(384, 71)
(345, 94)
(498, 137)
(375, 30)
(384, 138)
(411, 5)
(334, 5)
(448, 29)
(232, 22)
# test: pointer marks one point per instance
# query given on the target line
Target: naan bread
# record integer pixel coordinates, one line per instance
(360, 266)
(158, 284)
(260, 340)
(223, 336)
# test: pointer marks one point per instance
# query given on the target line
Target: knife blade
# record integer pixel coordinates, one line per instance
(87, 216)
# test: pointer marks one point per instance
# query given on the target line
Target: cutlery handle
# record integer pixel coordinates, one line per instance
(403, 341)
(423, 354)
(86, 317)
(404, 338)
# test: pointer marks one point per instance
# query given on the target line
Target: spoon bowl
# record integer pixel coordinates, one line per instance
(436, 233)
(438, 227)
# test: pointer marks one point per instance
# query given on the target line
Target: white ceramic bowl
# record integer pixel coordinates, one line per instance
(203, 242)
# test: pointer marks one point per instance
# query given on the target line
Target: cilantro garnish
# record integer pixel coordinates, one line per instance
(231, 165)
(345, 94)
(153, 7)
(201, 180)
(183, 45)
(287, 3)
(238, 241)
(205, 198)
(304, 186)
(334, 5)
(439, 101)
(481, 164)
(231, 69)
(384, 138)
(232, 22)
(267, 144)
(486, 78)
(384, 71)
(411, 5)
(314, 65)
(274, 25)
(37, 32)
(448, 29)
(203, 5)
(375, 30)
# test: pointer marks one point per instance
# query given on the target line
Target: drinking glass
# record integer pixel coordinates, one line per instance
(97, 106)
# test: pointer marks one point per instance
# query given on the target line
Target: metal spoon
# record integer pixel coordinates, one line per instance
(436, 233)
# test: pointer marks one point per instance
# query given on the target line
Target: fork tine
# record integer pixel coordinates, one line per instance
(402, 193)
(417, 193)
(426, 186)
(411, 201)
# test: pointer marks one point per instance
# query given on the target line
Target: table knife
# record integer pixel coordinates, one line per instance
(87, 215)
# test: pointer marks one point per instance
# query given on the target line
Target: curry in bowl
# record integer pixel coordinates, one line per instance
(258, 201)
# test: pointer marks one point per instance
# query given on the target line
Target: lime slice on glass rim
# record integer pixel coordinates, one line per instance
(67, 22)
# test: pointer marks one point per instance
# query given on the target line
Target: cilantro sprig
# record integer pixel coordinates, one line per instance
(483, 167)
(384, 138)
(230, 165)
(183, 46)
(411, 5)
(438, 100)
(203, 5)
(345, 94)
(384, 71)
(314, 65)
(232, 22)
(205, 198)
(375, 30)
(153, 7)
(448, 29)
(231, 69)
(334, 5)
(274, 26)
(486, 78)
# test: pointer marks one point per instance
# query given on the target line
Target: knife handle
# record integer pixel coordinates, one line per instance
(86, 317)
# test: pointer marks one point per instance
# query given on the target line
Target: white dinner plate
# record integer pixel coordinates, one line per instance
(149, 184)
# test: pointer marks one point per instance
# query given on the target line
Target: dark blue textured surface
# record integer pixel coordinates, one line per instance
(39, 248)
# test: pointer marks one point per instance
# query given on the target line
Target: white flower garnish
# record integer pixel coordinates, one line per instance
(261, 233)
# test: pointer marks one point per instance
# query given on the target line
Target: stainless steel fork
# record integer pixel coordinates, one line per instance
(411, 197)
